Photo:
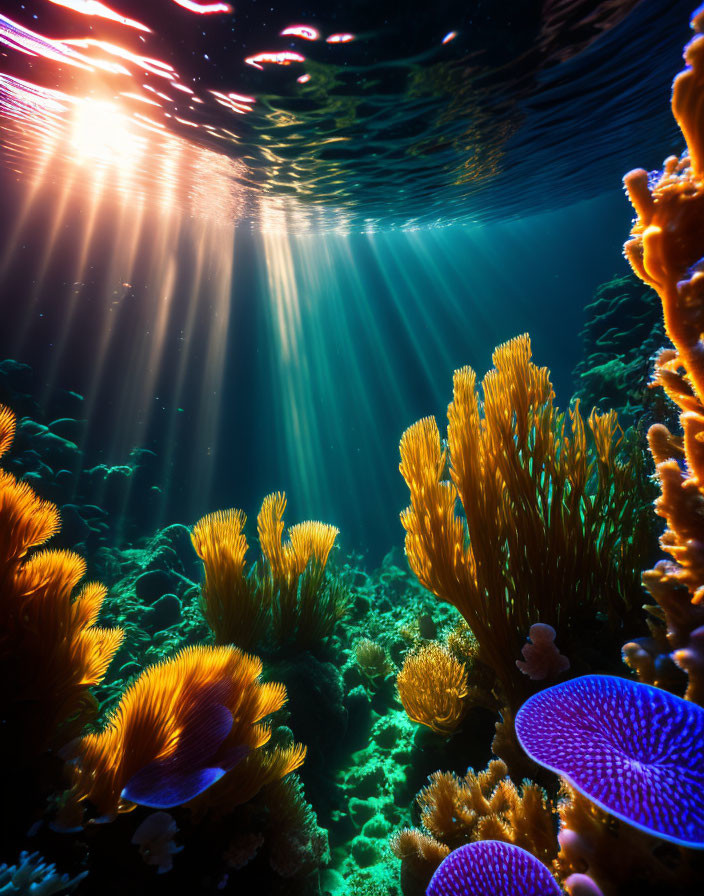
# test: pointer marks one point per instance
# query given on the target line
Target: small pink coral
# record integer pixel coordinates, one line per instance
(542, 658)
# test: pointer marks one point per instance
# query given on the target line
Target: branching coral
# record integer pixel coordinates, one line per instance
(432, 686)
(551, 517)
(51, 650)
(666, 250)
(286, 596)
(484, 806)
(182, 726)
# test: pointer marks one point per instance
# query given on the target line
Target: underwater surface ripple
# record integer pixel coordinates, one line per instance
(433, 114)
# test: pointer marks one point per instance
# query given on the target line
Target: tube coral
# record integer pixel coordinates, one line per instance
(51, 650)
(666, 249)
(432, 686)
(285, 596)
(182, 726)
(548, 513)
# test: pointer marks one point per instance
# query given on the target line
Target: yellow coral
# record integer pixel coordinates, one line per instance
(432, 686)
(285, 595)
(232, 607)
(52, 651)
(543, 515)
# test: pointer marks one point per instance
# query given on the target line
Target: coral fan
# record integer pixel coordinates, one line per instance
(546, 515)
(640, 757)
(180, 728)
(666, 250)
(492, 868)
(286, 596)
(51, 650)
(541, 658)
(432, 686)
(484, 806)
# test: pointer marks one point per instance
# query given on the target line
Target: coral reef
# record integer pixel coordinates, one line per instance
(665, 250)
(432, 685)
(640, 757)
(485, 806)
(492, 868)
(285, 597)
(552, 518)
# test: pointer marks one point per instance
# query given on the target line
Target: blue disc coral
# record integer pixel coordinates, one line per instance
(492, 868)
(634, 750)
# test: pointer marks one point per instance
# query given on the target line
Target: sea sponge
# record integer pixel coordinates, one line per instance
(52, 651)
(666, 249)
(180, 728)
(492, 868)
(547, 512)
(432, 686)
(635, 751)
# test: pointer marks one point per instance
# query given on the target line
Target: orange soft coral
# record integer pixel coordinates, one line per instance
(51, 651)
(285, 596)
(181, 727)
(666, 250)
(432, 686)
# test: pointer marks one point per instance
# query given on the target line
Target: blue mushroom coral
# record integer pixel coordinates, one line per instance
(492, 868)
(632, 749)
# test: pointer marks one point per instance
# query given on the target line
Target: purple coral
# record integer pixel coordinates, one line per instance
(634, 750)
(492, 868)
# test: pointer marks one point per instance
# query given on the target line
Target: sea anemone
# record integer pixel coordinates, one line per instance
(634, 750)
